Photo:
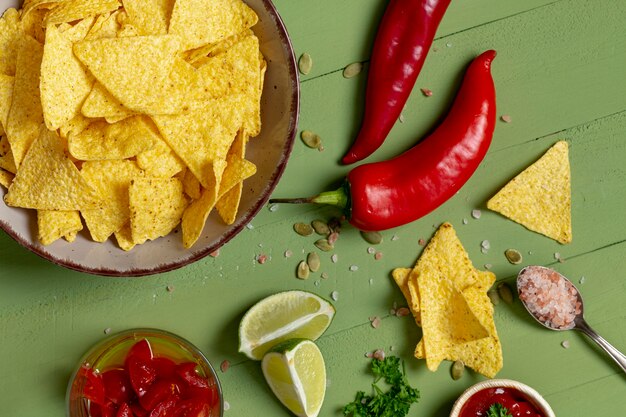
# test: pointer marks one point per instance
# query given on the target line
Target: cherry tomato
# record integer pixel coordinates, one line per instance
(141, 374)
(193, 407)
(93, 388)
(159, 391)
(138, 410)
(107, 410)
(164, 409)
(117, 386)
(124, 411)
(165, 368)
(141, 350)
(187, 371)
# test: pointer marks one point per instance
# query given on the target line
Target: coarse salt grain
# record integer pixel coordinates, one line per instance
(378, 256)
(334, 258)
(379, 354)
(353, 268)
(371, 250)
(273, 207)
(249, 226)
(226, 406)
(421, 242)
(107, 330)
(215, 253)
(506, 118)
(465, 221)
(394, 238)
(224, 366)
(476, 214)
(375, 322)
(549, 297)
(402, 312)
(334, 295)
(169, 288)
(565, 344)
(288, 253)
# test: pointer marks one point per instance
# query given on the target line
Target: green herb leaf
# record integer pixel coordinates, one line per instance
(393, 403)
(498, 410)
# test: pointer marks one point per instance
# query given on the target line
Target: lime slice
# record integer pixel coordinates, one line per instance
(283, 316)
(296, 373)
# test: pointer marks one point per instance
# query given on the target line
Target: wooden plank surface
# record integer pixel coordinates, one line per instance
(559, 74)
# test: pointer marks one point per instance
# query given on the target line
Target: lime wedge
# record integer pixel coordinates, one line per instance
(283, 316)
(296, 373)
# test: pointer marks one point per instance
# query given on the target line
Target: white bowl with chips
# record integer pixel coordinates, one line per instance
(269, 152)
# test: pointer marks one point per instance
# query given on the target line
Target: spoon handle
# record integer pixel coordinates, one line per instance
(617, 356)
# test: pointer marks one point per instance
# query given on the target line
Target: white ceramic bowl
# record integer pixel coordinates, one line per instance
(269, 151)
(533, 396)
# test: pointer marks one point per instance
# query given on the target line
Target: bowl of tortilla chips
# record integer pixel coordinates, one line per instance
(139, 136)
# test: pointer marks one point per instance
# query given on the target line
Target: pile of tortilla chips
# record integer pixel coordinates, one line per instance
(132, 114)
(540, 197)
(448, 298)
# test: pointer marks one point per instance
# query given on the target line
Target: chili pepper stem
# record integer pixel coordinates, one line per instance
(337, 198)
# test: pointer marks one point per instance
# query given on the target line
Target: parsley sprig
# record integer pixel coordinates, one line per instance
(393, 403)
(498, 410)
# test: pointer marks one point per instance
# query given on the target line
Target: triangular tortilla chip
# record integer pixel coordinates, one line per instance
(69, 11)
(124, 238)
(101, 103)
(10, 33)
(49, 180)
(53, 225)
(6, 156)
(26, 114)
(6, 178)
(160, 161)
(135, 70)
(105, 26)
(6, 97)
(150, 17)
(539, 198)
(65, 83)
(200, 22)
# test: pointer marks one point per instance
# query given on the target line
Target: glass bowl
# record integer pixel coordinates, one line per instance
(111, 352)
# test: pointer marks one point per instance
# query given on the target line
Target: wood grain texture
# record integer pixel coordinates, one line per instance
(559, 74)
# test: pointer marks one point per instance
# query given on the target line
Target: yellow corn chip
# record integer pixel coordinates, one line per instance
(156, 207)
(150, 17)
(195, 217)
(32, 25)
(6, 156)
(160, 161)
(6, 96)
(111, 179)
(200, 22)
(124, 238)
(101, 140)
(10, 33)
(539, 198)
(75, 126)
(65, 84)
(69, 11)
(135, 70)
(105, 26)
(52, 225)
(101, 103)
(30, 5)
(6, 178)
(26, 115)
(191, 185)
(200, 56)
(49, 180)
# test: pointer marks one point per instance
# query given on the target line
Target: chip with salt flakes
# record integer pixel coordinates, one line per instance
(69, 11)
(122, 140)
(150, 17)
(53, 225)
(49, 180)
(65, 83)
(201, 22)
(191, 185)
(10, 33)
(26, 114)
(111, 179)
(156, 207)
(105, 26)
(6, 156)
(160, 161)
(539, 198)
(101, 103)
(6, 96)
(6, 178)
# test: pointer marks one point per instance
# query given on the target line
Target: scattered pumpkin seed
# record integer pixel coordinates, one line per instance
(458, 367)
(505, 293)
(402, 312)
(352, 70)
(373, 238)
(324, 245)
(313, 260)
(303, 229)
(305, 63)
(320, 227)
(311, 139)
(513, 256)
(493, 296)
(303, 270)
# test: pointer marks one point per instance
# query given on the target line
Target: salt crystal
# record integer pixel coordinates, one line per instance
(401, 118)
(107, 330)
(488, 266)
(378, 256)
(582, 280)
(465, 221)
(353, 268)
(448, 45)
(334, 258)
(273, 208)
(476, 214)
(485, 244)
(421, 242)
(379, 354)
(316, 283)
(215, 253)
(426, 92)
(334, 295)
(375, 321)
(288, 253)
(249, 226)
(224, 366)
(170, 288)
(226, 406)
(506, 118)
(371, 281)
(324, 275)
(371, 250)
(394, 238)
(565, 344)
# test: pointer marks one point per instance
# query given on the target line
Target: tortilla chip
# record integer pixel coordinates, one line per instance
(160, 161)
(101, 140)
(6, 96)
(150, 17)
(156, 207)
(29, 5)
(10, 33)
(65, 84)
(6, 156)
(124, 238)
(25, 115)
(111, 179)
(201, 56)
(52, 225)
(69, 11)
(49, 180)
(195, 217)
(135, 70)
(105, 26)
(539, 198)
(191, 185)
(200, 22)
(101, 103)
(6, 178)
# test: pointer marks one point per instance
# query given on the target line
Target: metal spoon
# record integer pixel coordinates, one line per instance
(540, 273)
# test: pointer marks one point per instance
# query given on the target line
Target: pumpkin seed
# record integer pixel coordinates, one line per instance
(373, 238)
(505, 293)
(311, 139)
(458, 367)
(303, 229)
(313, 260)
(513, 256)
(305, 63)
(303, 270)
(324, 245)
(493, 296)
(320, 227)
(352, 70)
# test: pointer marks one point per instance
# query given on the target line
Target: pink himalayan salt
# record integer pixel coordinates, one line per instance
(549, 297)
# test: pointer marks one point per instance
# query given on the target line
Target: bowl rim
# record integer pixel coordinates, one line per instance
(534, 396)
(230, 233)
(143, 332)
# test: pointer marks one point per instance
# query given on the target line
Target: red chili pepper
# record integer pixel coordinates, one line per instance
(404, 37)
(382, 195)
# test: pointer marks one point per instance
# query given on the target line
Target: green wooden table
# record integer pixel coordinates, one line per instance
(559, 74)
